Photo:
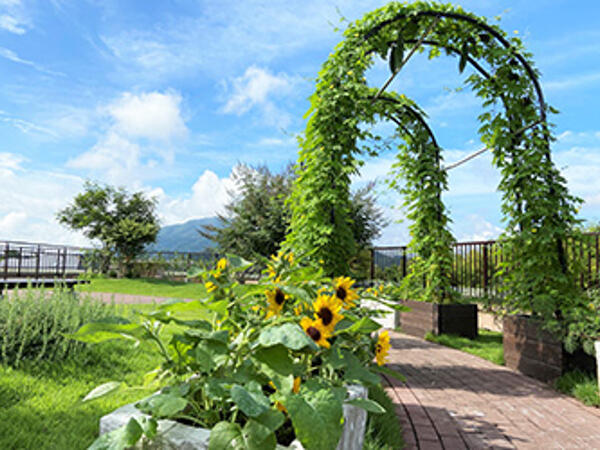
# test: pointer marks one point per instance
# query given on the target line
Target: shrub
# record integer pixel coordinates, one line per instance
(583, 322)
(33, 323)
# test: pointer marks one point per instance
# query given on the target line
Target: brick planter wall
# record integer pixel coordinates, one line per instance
(537, 353)
(427, 317)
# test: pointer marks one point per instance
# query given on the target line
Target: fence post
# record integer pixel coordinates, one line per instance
(37, 262)
(20, 262)
(372, 268)
(57, 261)
(404, 263)
(64, 266)
(6, 253)
(485, 268)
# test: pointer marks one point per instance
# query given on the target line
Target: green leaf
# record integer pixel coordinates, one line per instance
(290, 335)
(259, 431)
(229, 436)
(162, 405)
(95, 332)
(364, 325)
(237, 264)
(316, 417)
(119, 439)
(250, 400)
(277, 358)
(396, 54)
(367, 405)
(102, 390)
(225, 436)
(391, 372)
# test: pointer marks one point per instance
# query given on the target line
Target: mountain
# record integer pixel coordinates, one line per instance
(184, 237)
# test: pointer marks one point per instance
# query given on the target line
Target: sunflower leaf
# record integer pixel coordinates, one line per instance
(250, 399)
(367, 405)
(316, 417)
(289, 335)
(365, 325)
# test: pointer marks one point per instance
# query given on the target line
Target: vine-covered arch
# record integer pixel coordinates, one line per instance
(537, 208)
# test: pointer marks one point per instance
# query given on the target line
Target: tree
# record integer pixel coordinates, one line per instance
(258, 217)
(124, 223)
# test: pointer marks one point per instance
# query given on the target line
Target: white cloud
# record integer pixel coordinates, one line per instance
(115, 159)
(12, 222)
(151, 115)
(25, 214)
(119, 156)
(25, 126)
(227, 36)
(476, 228)
(12, 17)
(11, 161)
(12, 24)
(208, 196)
(258, 88)
(572, 82)
(12, 56)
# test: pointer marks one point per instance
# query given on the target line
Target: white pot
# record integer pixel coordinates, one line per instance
(176, 436)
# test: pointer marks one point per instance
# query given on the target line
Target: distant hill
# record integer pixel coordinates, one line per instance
(184, 237)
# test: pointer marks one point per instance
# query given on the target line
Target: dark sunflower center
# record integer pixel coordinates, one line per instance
(378, 348)
(326, 315)
(314, 333)
(341, 293)
(279, 297)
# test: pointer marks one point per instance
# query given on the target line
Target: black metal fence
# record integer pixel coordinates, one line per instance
(32, 260)
(476, 264)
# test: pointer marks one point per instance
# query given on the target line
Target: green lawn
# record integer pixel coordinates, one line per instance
(488, 345)
(145, 286)
(40, 405)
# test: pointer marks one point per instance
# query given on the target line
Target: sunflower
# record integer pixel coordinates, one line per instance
(276, 299)
(210, 286)
(343, 291)
(315, 330)
(222, 264)
(382, 348)
(327, 308)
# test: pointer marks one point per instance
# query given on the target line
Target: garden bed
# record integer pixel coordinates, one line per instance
(425, 317)
(537, 353)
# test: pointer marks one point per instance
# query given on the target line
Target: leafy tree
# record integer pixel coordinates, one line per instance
(258, 217)
(124, 223)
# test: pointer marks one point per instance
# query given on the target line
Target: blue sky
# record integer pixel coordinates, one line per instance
(168, 96)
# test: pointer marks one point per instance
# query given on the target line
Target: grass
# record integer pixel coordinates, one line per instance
(582, 386)
(40, 404)
(488, 345)
(383, 430)
(145, 286)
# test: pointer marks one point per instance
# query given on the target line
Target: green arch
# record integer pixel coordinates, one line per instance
(537, 208)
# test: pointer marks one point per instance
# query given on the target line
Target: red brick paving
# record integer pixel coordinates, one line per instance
(453, 400)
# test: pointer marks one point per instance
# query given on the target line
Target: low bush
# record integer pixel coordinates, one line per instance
(580, 385)
(33, 323)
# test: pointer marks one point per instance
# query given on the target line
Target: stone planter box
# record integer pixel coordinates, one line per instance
(177, 436)
(433, 318)
(538, 354)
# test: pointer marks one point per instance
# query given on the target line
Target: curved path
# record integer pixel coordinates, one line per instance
(453, 400)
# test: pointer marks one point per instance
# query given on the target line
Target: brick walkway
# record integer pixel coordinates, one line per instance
(453, 400)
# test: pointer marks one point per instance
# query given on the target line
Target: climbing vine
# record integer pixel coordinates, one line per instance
(538, 211)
